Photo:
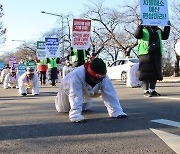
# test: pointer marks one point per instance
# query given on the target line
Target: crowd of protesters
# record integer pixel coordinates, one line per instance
(85, 76)
(37, 72)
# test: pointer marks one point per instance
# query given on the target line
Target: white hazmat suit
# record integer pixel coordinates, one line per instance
(132, 77)
(66, 70)
(75, 95)
(4, 72)
(25, 83)
(10, 81)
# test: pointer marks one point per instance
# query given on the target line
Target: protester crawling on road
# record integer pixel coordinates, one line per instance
(11, 80)
(28, 82)
(4, 72)
(81, 85)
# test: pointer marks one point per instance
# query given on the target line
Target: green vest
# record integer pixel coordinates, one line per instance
(52, 63)
(143, 43)
(75, 56)
(43, 62)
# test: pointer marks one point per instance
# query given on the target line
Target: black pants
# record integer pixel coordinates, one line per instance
(53, 75)
(43, 77)
(149, 84)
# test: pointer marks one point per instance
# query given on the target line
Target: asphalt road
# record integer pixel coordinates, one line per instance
(32, 125)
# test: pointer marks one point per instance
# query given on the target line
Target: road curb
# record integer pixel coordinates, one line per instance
(170, 79)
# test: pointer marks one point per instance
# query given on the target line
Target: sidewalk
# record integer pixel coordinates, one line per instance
(170, 79)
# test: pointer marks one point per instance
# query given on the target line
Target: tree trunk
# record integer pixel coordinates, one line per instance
(176, 69)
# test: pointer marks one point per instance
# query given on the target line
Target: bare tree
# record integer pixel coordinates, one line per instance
(113, 28)
(175, 32)
(25, 50)
(6, 56)
(2, 30)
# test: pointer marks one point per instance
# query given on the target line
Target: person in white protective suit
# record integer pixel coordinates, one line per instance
(133, 77)
(4, 72)
(67, 68)
(11, 80)
(28, 82)
(79, 87)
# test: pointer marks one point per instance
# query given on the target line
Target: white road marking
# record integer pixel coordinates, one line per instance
(173, 141)
(173, 98)
(167, 122)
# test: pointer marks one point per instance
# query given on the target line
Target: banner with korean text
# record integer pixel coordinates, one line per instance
(154, 12)
(81, 31)
(52, 47)
(2, 65)
(12, 61)
(41, 52)
(21, 69)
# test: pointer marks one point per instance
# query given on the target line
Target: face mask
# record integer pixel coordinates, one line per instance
(92, 80)
(13, 73)
(30, 76)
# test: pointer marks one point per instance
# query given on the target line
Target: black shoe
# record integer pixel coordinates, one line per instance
(80, 121)
(154, 93)
(36, 94)
(147, 94)
(121, 116)
(24, 94)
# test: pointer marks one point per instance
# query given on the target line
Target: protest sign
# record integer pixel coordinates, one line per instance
(81, 33)
(52, 47)
(41, 52)
(1, 65)
(154, 12)
(21, 69)
(12, 60)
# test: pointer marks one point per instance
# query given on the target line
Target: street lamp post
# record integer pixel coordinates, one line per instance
(62, 28)
(19, 41)
(25, 44)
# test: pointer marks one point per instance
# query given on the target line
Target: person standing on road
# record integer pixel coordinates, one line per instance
(42, 68)
(79, 57)
(150, 53)
(52, 69)
(80, 86)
